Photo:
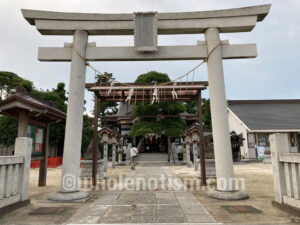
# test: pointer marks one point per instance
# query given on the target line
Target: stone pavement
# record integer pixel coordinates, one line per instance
(140, 203)
(152, 157)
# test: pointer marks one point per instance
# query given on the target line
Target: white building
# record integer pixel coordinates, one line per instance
(254, 120)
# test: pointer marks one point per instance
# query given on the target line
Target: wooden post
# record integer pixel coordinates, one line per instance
(44, 161)
(23, 123)
(169, 149)
(202, 146)
(95, 140)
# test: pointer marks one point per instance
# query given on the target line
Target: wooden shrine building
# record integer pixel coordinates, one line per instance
(34, 117)
(130, 93)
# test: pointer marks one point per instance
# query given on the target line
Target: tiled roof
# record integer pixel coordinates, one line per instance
(23, 96)
(267, 114)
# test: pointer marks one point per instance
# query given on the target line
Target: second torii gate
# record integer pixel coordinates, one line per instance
(145, 27)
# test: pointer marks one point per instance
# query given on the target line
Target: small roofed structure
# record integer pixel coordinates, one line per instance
(107, 134)
(34, 117)
(38, 109)
(194, 135)
(193, 132)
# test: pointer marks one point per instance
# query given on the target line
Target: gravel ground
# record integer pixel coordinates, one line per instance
(259, 186)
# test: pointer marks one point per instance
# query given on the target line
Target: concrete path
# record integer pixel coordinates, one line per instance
(145, 203)
(152, 157)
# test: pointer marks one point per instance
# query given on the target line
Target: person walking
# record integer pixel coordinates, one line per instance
(134, 154)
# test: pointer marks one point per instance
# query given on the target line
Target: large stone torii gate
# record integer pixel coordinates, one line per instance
(145, 27)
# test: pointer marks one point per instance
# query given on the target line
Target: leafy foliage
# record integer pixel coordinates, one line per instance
(8, 130)
(151, 77)
(87, 132)
(149, 122)
(9, 82)
(191, 107)
(206, 115)
(106, 108)
(57, 96)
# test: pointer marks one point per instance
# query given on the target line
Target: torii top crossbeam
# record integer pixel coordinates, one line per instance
(228, 20)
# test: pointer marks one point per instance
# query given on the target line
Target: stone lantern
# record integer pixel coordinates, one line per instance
(192, 135)
(187, 141)
(105, 139)
(195, 136)
(174, 152)
(114, 141)
(120, 149)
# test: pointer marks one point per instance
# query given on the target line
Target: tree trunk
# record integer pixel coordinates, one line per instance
(140, 143)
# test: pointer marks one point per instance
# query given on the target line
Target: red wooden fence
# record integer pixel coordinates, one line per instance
(53, 162)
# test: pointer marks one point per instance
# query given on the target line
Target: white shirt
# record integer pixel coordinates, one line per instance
(133, 151)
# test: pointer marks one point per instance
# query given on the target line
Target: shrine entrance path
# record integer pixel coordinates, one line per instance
(152, 157)
(141, 203)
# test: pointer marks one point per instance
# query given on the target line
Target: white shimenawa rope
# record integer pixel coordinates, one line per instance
(128, 99)
(115, 81)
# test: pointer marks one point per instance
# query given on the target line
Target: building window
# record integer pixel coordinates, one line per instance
(293, 139)
(263, 140)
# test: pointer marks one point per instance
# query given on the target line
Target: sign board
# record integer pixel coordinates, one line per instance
(260, 152)
(145, 31)
(37, 135)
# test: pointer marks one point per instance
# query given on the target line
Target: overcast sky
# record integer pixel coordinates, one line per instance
(273, 74)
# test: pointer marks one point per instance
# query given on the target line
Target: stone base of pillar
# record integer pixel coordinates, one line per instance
(227, 195)
(68, 196)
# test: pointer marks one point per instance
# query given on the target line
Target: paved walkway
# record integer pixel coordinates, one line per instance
(140, 203)
(152, 157)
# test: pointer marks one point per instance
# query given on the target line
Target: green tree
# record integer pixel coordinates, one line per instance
(87, 132)
(206, 115)
(106, 108)
(191, 107)
(9, 82)
(149, 121)
(8, 130)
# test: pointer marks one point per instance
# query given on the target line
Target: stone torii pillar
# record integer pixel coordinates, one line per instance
(223, 154)
(73, 133)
